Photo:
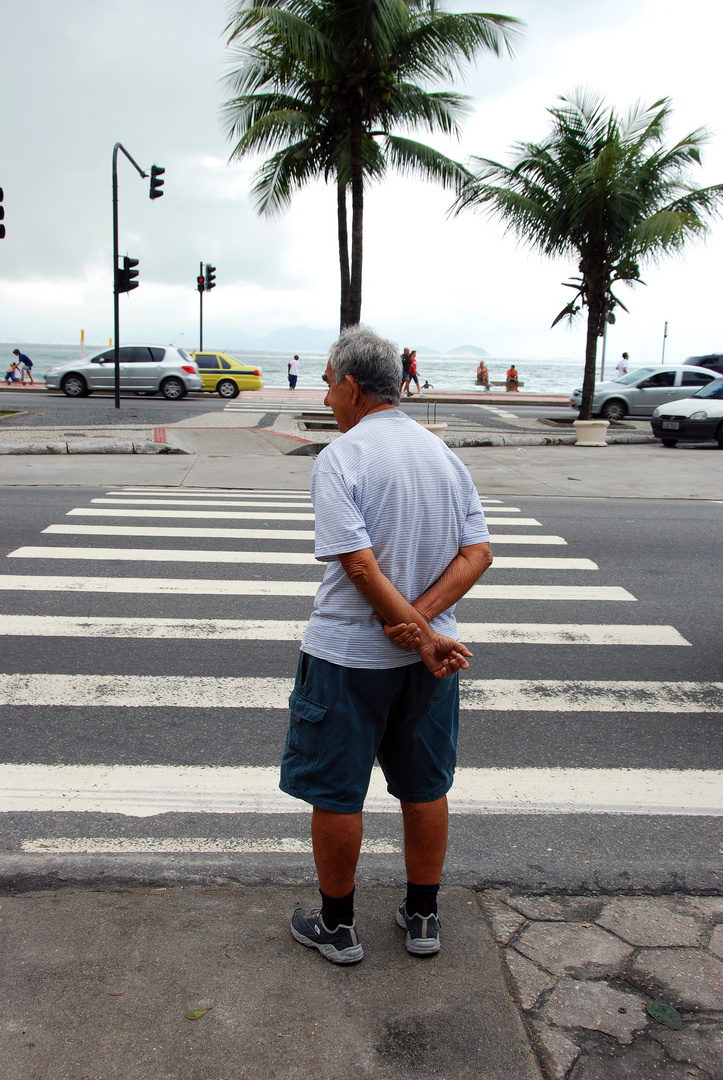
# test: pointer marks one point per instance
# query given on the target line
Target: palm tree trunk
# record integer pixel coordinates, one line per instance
(357, 220)
(344, 315)
(594, 311)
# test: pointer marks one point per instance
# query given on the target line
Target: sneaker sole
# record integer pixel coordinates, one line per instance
(418, 946)
(352, 955)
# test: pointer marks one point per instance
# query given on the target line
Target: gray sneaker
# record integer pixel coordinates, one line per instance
(422, 931)
(341, 946)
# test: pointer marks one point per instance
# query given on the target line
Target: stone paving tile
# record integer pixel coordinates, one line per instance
(650, 921)
(505, 922)
(716, 941)
(574, 948)
(708, 906)
(529, 980)
(557, 1051)
(688, 978)
(645, 1061)
(698, 1043)
(596, 1006)
(565, 909)
(575, 1022)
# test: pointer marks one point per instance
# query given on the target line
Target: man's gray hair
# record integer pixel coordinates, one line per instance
(372, 361)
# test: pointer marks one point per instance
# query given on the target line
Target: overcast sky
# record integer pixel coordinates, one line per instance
(79, 75)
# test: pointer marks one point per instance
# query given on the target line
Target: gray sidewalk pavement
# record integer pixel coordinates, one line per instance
(252, 460)
(97, 985)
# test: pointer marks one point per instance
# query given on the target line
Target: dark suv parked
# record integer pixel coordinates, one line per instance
(714, 361)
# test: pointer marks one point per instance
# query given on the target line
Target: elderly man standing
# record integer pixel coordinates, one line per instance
(400, 527)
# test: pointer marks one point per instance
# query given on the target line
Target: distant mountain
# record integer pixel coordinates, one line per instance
(466, 350)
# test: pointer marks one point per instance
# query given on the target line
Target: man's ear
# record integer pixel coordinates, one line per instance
(353, 383)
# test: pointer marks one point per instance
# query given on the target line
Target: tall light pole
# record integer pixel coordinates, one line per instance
(124, 278)
(665, 334)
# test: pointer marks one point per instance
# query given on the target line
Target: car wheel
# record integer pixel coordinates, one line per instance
(228, 389)
(719, 436)
(669, 442)
(74, 386)
(173, 390)
(613, 410)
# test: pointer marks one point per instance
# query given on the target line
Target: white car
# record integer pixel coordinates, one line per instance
(696, 419)
(640, 392)
(144, 369)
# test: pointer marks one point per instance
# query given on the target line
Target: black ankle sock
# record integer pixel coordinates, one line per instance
(337, 909)
(421, 899)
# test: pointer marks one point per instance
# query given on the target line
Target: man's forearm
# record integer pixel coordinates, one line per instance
(363, 571)
(464, 570)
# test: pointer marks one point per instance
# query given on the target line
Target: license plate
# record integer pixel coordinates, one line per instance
(670, 425)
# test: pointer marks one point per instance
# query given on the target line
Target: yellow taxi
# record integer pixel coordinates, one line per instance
(226, 376)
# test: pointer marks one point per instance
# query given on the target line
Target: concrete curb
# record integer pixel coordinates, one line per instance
(91, 446)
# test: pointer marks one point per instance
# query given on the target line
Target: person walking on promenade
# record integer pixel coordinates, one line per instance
(413, 373)
(513, 378)
(400, 527)
(25, 365)
(406, 360)
(621, 368)
(293, 372)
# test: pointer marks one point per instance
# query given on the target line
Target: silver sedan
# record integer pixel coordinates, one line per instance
(144, 369)
(640, 392)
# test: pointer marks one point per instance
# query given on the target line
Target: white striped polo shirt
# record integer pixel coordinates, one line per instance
(391, 485)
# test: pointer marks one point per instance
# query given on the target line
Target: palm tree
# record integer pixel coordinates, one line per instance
(604, 190)
(324, 83)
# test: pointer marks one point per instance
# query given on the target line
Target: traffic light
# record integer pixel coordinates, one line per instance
(156, 182)
(2, 215)
(210, 277)
(125, 275)
(200, 282)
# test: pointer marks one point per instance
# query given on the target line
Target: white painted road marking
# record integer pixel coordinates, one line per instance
(219, 555)
(287, 630)
(232, 587)
(249, 534)
(148, 790)
(179, 532)
(190, 845)
(103, 512)
(230, 692)
(97, 511)
(215, 493)
(173, 501)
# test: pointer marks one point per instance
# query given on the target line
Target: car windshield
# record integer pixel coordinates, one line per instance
(633, 376)
(711, 390)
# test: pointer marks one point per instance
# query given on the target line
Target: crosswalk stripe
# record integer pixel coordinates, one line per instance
(251, 534)
(149, 790)
(172, 501)
(190, 845)
(92, 511)
(178, 493)
(181, 533)
(96, 511)
(233, 587)
(167, 555)
(230, 692)
(293, 630)
(214, 492)
(238, 492)
(502, 562)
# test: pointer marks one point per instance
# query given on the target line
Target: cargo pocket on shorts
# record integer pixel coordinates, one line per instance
(305, 728)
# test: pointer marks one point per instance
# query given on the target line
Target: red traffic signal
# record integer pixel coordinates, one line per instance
(200, 283)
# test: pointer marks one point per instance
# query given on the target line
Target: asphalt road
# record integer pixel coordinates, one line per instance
(98, 410)
(664, 555)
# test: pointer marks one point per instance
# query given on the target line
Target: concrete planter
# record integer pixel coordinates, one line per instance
(436, 428)
(591, 432)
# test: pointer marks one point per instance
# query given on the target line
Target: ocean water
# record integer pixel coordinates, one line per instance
(558, 375)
